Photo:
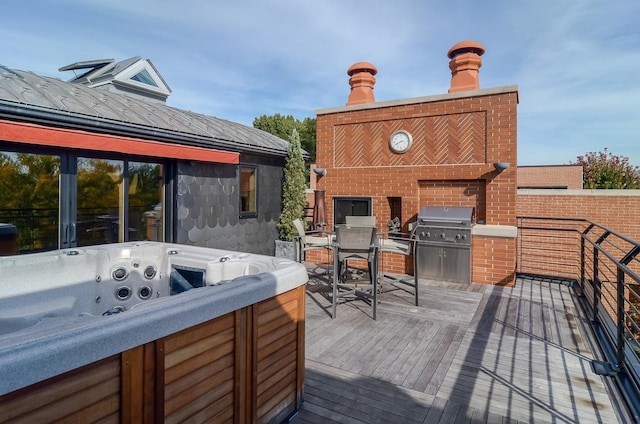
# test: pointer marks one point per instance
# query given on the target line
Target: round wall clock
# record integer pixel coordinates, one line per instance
(400, 141)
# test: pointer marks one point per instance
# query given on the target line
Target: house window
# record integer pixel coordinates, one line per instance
(248, 189)
(119, 201)
(145, 201)
(30, 201)
(63, 201)
(144, 77)
(350, 206)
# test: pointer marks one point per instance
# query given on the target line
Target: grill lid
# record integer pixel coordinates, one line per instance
(445, 215)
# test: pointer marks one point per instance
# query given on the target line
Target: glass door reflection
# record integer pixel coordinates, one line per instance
(100, 201)
(29, 202)
(145, 199)
(63, 201)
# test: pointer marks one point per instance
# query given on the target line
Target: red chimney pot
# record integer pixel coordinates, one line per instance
(465, 65)
(362, 81)
(468, 46)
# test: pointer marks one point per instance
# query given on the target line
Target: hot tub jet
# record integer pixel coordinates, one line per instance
(114, 310)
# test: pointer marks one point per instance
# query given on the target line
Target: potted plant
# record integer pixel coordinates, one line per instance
(293, 198)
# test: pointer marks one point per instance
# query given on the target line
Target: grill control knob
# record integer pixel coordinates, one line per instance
(458, 236)
(464, 237)
(443, 235)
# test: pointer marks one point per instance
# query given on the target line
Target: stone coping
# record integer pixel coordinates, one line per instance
(504, 231)
(583, 192)
(424, 99)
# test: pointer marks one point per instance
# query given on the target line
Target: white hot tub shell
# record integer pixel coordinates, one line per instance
(64, 309)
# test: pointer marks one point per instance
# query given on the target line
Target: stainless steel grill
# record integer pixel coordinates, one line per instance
(442, 248)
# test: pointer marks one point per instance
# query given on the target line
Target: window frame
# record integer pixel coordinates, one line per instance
(67, 213)
(248, 213)
(344, 199)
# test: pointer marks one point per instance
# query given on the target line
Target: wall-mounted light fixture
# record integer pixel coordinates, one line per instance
(501, 166)
(320, 171)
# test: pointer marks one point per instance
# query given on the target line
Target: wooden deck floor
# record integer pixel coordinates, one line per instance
(469, 353)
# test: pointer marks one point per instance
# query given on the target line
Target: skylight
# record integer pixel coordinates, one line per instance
(132, 76)
(144, 77)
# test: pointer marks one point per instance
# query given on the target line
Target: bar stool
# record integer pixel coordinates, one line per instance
(355, 243)
(403, 246)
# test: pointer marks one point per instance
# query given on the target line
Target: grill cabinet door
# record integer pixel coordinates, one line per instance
(429, 261)
(444, 262)
(456, 264)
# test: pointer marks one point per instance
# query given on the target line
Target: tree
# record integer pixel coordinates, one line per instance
(308, 137)
(29, 197)
(282, 126)
(604, 170)
(293, 189)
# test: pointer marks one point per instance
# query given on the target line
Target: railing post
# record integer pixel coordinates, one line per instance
(620, 321)
(597, 285)
(518, 244)
(582, 261)
(597, 292)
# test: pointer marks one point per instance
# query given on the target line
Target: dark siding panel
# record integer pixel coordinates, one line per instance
(207, 212)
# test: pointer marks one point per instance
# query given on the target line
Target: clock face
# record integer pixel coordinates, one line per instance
(400, 141)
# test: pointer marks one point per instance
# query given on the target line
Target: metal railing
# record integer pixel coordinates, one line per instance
(604, 268)
(38, 228)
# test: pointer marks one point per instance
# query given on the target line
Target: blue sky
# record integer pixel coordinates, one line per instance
(576, 62)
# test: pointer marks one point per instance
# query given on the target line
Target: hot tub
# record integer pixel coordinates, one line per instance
(74, 308)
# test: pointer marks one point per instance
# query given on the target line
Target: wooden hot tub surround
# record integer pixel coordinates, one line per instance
(244, 366)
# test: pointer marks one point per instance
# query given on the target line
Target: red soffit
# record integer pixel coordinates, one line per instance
(19, 132)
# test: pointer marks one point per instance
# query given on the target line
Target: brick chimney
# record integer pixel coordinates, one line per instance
(465, 65)
(362, 81)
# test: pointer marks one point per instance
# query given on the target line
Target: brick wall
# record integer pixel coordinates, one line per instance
(550, 176)
(615, 209)
(456, 139)
(494, 260)
(618, 210)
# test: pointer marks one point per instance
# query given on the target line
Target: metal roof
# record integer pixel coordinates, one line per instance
(29, 97)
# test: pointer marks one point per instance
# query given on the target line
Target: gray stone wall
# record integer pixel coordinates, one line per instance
(208, 206)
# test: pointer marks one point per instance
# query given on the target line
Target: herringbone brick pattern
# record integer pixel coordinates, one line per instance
(444, 139)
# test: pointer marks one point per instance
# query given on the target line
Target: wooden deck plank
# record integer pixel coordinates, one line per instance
(468, 354)
(411, 353)
(390, 365)
(436, 378)
(431, 359)
(481, 389)
(435, 411)
(366, 341)
(387, 353)
(377, 348)
(311, 417)
(363, 397)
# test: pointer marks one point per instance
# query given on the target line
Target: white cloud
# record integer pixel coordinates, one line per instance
(574, 61)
